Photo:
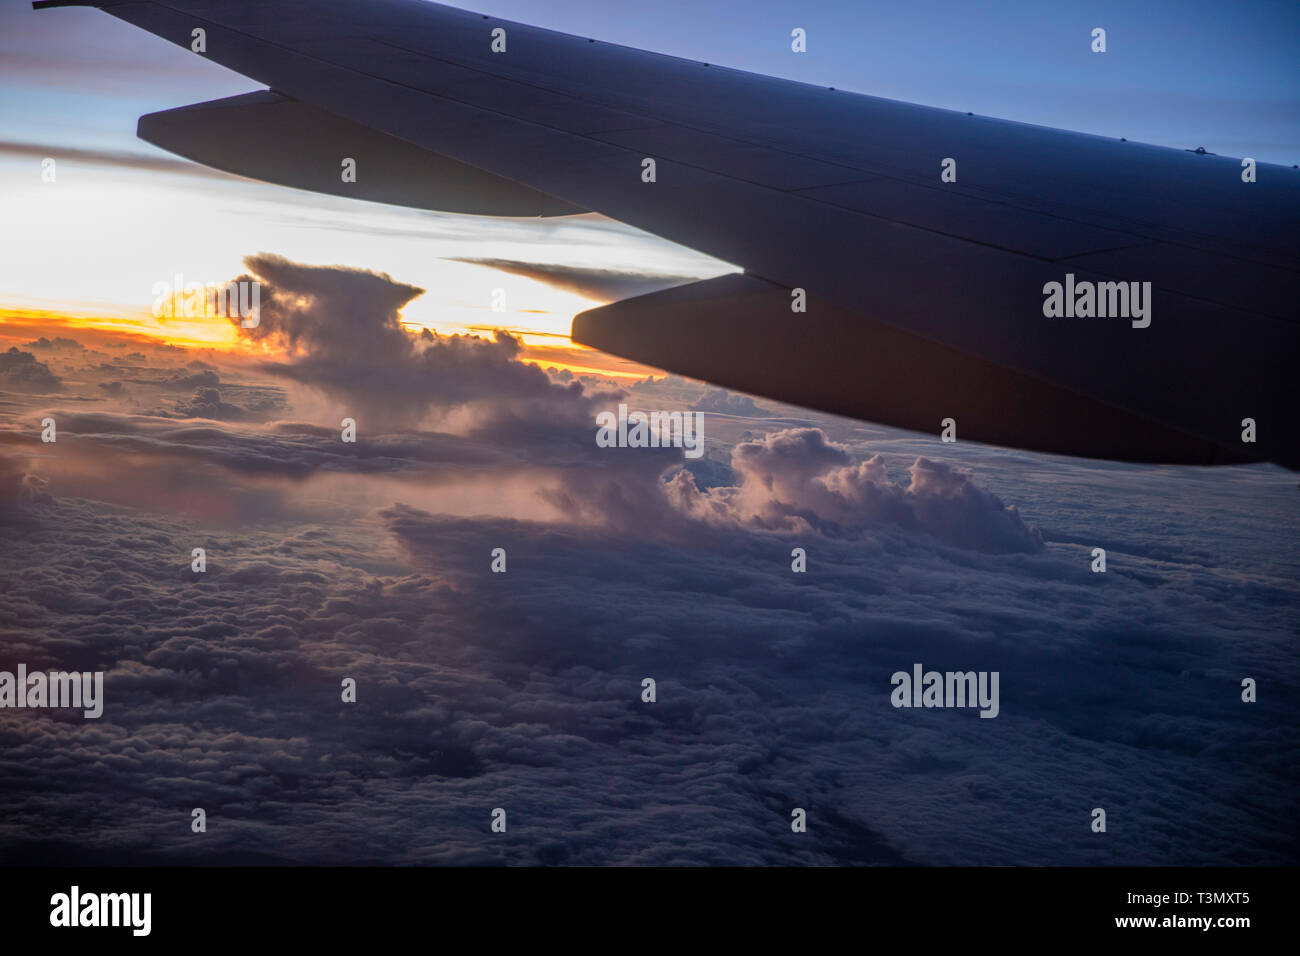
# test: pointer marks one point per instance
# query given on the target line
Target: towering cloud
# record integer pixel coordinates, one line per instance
(477, 689)
(342, 329)
(798, 480)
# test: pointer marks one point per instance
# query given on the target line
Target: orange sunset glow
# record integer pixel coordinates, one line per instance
(19, 325)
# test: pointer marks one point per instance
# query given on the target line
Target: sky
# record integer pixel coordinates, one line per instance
(74, 83)
(523, 690)
(1178, 74)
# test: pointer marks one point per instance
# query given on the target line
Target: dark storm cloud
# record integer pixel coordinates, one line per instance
(605, 285)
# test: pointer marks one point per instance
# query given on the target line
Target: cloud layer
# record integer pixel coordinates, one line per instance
(522, 690)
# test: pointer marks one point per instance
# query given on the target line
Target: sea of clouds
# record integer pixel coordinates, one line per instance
(522, 690)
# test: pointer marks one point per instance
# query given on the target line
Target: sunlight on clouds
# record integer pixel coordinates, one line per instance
(98, 239)
(197, 332)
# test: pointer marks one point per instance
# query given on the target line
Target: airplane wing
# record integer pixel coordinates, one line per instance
(923, 299)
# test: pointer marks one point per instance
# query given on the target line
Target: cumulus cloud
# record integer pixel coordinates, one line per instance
(203, 378)
(343, 330)
(797, 480)
(507, 421)
(22, 370)
(207, 403)
(722, 402)
(372, 560)
(19, 489)
(522, 690)
(58, 342)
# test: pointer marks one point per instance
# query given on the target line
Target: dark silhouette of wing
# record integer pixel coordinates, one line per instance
(924, 299)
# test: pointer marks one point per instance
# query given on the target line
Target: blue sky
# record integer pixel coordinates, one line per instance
(1185, 74)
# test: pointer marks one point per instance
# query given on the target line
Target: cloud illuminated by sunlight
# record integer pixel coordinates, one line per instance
(181, 332)
(19, 325)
